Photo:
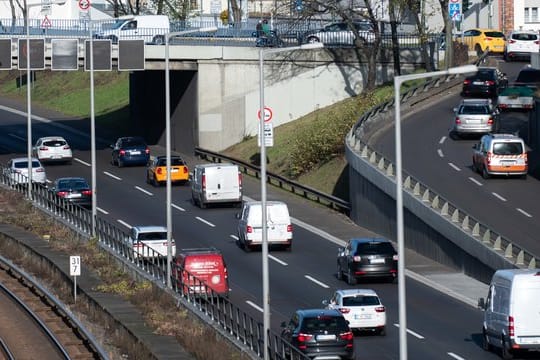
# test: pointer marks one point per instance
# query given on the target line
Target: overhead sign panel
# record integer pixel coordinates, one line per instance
(64, 54)
(131, 55)
(5, 54)
(37, 54)
(102, 55)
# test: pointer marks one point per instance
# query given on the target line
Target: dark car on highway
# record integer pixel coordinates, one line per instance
(528, 76)
(487, 82)
(74, 190)
(130, 150)
(320, 333)
(367, 258)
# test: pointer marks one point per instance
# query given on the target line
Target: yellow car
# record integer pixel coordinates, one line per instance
(480, 39)
(156, 170)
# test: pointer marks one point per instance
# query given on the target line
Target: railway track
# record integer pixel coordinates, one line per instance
(34, 325)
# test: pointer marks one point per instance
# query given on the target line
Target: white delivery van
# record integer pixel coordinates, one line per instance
(216, 183)
(151, 28)
(512, 312)
(279, 226)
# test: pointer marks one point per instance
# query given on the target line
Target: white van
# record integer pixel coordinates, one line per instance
(279, 226)
(216, 183)
(511, 312)
(151, 28)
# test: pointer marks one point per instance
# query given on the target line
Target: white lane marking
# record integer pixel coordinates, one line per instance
(451, 354)
(144, 191)
(82, 162)
(476, 181)
(124, 223)
(103, 211)
(250, 303)
(454, 166)
(439, 151)
(498, 196)
(178, 207)
(411, 332)
(524, 212)
(17, 137)
(204, 221)
(317, 281)
(442, 140)
(234, 237)
(277, 260)
(111, 175)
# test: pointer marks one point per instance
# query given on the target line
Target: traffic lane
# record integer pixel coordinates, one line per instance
(422, 133)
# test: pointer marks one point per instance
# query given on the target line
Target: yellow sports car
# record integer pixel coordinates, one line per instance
(481, 39)
(156, 170)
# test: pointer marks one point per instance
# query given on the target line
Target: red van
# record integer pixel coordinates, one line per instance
(195, 268)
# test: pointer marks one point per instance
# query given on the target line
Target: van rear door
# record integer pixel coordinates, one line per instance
(223, 183)
(279, 223)
(525, 305)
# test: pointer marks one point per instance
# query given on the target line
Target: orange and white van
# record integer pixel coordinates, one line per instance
(500, 154)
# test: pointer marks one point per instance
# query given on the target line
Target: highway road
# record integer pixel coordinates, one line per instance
(440, 327)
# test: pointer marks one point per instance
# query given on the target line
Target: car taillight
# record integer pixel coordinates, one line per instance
(347, 336)
(526, 158)
(512, 41)
(43, 148)
(488, 39)
(289, 228)
(239, 179)
(490, 82)
(66, 147)
(380, 309)
(122, 152)
(159, 171)
(458, 120)
(249, 229)
(511, 326)
(466, 82)
(147, 151)
(87, 192)
(203, 182)
(344, 310)
(489, 156)
(490, 121)
(40, 170)
(357, 258)
(302, 338)
(184, 170)
(61, 193)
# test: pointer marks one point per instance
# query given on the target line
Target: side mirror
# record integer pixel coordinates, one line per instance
(454, 109)
(111, 146)
(481, 303)
(325, 302)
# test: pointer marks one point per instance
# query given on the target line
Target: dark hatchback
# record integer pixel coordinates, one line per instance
(487, 82)
(131, 150)
(319, 333)
(367, 258)
(74, 190)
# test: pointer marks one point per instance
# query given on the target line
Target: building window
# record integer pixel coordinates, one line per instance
(531, 15)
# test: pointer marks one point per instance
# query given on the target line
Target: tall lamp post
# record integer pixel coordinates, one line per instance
(168, 140)
(266, 282)
(398, 80)
(29, 91)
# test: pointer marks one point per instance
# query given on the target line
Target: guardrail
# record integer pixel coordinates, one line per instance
(210, 306)
(478, 232)
(304, 191)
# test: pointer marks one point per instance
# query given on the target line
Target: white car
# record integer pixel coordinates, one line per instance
(17, 171)
(150, 242)
(362, 308)
(520, 44)
(340, 34)
(52, 149)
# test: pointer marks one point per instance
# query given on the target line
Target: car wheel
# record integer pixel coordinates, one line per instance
(506, 353)
(351, 280)
(147, 178)
(193, 199)
(119, 163)
(339, 273)
(382, 331)
(485, 343)
(485, 173)
(202, 205)
(155, 182)
(312, 40)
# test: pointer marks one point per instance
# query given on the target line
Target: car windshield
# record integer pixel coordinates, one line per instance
(528, 76)
(374, 248)
(324, 323)
(474, 110)
(154, 235)
(54, 143)
(174, 162)
(508, 148)
(24, 164)
(72, 184)
(134, 142)
(524, 37)
(360, 300)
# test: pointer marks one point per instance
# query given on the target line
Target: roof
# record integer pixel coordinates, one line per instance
(52, 138)
(368, 239)
(71, 178)
(23, 159)
(199, 251)
(353, 292)
(149, 228)
(317, 312)
(215, 165)
(504, 136)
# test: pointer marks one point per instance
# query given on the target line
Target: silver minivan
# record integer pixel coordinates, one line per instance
(475, 116)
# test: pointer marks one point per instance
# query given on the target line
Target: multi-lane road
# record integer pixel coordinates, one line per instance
(440, 327)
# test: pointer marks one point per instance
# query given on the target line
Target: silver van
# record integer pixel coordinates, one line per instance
(216, 184)
(278, 226)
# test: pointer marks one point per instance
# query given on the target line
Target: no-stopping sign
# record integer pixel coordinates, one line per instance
(267, 114)
(84, 5)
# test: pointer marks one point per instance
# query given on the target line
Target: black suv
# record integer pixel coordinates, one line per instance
(320, 333)
(488, 81)
(367, 257)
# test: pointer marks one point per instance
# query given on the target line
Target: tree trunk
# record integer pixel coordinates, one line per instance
(395, 41)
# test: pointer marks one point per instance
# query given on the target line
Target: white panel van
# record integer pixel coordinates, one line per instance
(151, 28)
(279, 226)
(512, 312)
(216, 184)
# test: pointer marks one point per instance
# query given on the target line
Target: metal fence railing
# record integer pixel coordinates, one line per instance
(219, 310)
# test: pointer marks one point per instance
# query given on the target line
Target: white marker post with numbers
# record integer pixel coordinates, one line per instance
(75, 270)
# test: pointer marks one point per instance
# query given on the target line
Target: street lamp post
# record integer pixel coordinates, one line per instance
(266, 282)
(168, 140)
(398, 80)
(29, 92)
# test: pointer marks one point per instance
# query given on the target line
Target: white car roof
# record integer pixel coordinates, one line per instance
(149, 228)
(19, 159)
(45, 138)
(353, 292)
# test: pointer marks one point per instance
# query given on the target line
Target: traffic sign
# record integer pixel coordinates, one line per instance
(267, 114)
(75, 266)
(84, 5)
(46, 23)
(268, 135)
(454, 10)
